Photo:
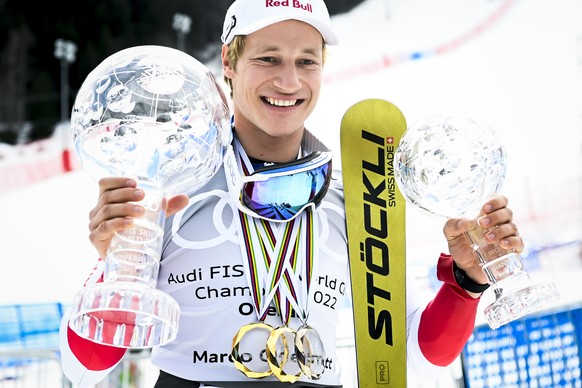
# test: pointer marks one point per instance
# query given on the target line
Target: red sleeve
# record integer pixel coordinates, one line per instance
(84, 362)
(93, 356)
(448, 320)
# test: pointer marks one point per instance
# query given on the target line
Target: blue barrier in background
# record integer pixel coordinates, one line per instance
(29, 327)
(540, 350)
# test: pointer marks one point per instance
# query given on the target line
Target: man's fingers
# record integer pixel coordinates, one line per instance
(455, 227)
(514, 242)
(177, 203)
(113, 183)
(495, 203)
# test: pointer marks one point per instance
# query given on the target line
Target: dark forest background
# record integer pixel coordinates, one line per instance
(30, 74)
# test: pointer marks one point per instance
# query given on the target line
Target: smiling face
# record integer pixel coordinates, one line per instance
(275, 86)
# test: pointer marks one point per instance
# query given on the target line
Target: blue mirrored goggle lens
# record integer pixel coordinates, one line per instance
(282, 197)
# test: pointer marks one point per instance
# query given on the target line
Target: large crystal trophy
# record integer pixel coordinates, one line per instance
(157, 115)
(448, 165)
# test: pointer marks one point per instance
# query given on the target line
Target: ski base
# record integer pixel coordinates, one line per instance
(375, 215)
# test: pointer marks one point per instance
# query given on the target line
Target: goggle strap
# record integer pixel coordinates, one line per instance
(296, 162)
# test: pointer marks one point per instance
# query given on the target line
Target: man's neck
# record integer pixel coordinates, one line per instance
(277, 149)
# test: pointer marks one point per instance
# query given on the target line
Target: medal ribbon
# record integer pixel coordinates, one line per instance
(279, 257)
(284, 275)
(254, 269)
(309, 263)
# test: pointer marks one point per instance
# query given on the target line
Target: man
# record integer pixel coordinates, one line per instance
(272, 57)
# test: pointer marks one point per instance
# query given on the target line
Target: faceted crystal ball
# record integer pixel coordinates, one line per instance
(448, 165)
(151, 112)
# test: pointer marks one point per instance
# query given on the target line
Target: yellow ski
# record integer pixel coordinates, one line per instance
(375, 214)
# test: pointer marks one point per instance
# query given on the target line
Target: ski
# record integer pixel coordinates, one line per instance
(375, 215)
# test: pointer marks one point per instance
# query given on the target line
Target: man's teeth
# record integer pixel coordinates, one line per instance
(272, 101)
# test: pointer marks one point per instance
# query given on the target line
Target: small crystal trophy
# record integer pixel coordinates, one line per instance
(448, 165)
(154, 114)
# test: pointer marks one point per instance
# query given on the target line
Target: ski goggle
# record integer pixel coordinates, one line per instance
(280, 192)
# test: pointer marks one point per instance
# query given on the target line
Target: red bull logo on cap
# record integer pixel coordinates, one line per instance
(247, 16)
(285, 3)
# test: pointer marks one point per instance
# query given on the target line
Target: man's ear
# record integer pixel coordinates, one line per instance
(226, 68)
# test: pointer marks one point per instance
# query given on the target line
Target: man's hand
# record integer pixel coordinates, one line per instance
(116, 209)
(497, 221)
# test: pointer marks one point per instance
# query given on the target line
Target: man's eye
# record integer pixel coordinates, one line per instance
(310, 63)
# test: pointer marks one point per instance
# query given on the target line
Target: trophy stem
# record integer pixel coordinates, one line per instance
(126, 309)
(134, 253)
(515, 293)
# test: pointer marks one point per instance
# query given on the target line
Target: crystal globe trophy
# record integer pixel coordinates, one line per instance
(448, 165)
(157, 115)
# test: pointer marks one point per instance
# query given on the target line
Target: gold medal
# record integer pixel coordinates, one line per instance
(310, 352)
(248, 358)
(279, 352)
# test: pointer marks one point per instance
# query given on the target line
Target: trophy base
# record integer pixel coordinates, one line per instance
(125, 314)
(519, 303)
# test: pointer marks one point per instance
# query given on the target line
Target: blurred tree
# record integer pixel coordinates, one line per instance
(30, 74)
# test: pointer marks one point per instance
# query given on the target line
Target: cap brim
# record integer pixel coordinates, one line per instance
(329, 36)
